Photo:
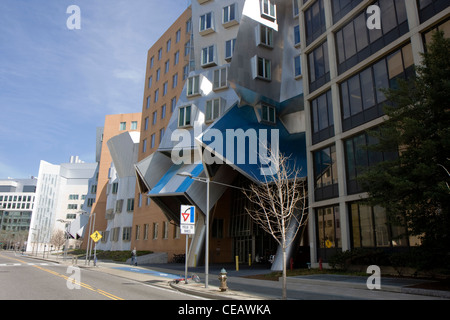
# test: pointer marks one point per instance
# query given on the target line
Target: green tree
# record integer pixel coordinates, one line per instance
(414, 187)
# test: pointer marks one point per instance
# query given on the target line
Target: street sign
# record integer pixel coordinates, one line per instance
(187, 220)
(96, 236)
(187, 215)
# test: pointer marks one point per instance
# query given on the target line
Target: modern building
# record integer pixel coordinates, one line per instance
(120, 192)
(16, 206)
(168, 66)
(60, 194)
(123, 128)
(245, 86)
(346, 63)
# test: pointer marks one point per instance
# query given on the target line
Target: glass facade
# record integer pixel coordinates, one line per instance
(325, 174)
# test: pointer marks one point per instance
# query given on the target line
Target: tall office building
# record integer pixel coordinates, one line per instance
(346, 64)
(108, 156)
(168, 66)
(60, 194)
(245, 80)
(16, 206)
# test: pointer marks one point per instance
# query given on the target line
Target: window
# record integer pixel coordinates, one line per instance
(193, 86)
(158, 74)
(152, 143)
(150, 80)
(174, 80)
(263, 68)
(268, 9)
(115, 188)
(184, 116)
(208, 57)
(146, 226)
(161, 134)
(144, 145)
(176, 58)
(71, 197)
(163, 111)
(155, 117)
(212, 110)
(355, 42)
(159, 54)
(229, 16)
(72, 206)
(319, 69)
(358, 157)
(123, 126)
(295, 8)
(149, 100)
(156, 95)
(138, 232)
(370, 227)
(314, 21)
(268, 113)
(297, 66)
(322, 117)
(173, 104)
(265, 36)
(126, 235)
(130, 205)
(168, 45)
(206, 23)
(361, 97)
(152, 62)
(328, 227)
(166, 230)
(297, 36)
(220, 79)
(119, 205)
(187, 48)
(325, 174)
(342, 7)
(155, 230)
(178, 36)
(134, 125)
(229, 49)
(165, 87)
(428, 8)
(167, 66)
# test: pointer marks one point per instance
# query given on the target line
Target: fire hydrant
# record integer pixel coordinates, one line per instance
(223, 280)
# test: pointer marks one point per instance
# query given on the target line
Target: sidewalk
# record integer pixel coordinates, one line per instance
(242, 287)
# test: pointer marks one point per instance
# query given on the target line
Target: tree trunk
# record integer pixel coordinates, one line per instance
(284, 290)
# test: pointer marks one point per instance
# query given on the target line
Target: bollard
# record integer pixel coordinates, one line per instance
(249, 259)
(237, 263)
(223, 280)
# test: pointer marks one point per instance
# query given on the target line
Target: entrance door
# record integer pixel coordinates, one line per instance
(242, 248)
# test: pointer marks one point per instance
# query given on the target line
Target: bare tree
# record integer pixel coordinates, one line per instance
(58, 239)
(279, 205)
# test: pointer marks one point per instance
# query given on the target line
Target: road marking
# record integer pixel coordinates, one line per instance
(84, 285)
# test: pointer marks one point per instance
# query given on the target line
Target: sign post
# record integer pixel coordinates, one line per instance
(96, 236)
(187, 227)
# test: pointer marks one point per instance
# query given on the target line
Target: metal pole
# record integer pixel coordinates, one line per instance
(89, 239)
(207, 234)
(186, 261)
(90, 249)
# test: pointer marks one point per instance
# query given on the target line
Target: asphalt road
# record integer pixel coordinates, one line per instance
(22, 278)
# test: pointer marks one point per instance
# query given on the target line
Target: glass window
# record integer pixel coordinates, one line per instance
(184, 116)
(314, 21)
(367, 87)
(212, 109)
(123, 126)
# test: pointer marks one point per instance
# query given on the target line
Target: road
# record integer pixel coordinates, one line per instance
(23, 278)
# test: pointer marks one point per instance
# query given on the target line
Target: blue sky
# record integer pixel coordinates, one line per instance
(57, 85)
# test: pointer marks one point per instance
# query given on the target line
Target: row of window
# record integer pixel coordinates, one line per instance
(369, 228)
(17, 198)
(358, 157)
(360, 95)
(133, 126)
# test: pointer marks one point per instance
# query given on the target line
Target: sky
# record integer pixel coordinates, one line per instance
(58, 84)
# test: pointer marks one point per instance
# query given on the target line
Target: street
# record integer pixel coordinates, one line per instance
(23, 278)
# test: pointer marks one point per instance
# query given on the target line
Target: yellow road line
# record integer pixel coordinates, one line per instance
(84, 285)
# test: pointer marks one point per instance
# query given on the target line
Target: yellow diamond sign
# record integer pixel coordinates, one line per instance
(96, 236)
